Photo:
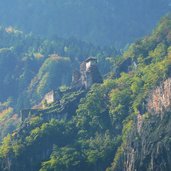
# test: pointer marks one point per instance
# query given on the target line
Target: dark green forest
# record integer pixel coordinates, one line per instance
(85, 85)
(32, 66)
(27, 63)
(102, 22)
(101, 121)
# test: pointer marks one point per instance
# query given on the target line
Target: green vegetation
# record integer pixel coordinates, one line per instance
(31, 66)
(94, 136)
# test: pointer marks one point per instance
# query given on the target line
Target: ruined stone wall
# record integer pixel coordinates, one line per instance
(24, 114)
(49, 97)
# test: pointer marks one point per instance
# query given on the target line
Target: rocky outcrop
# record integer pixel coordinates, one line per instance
(150, 150)
(148, 145)
(160, 98)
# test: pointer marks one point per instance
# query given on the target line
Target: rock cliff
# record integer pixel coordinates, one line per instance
(160, 98)
(149, 143)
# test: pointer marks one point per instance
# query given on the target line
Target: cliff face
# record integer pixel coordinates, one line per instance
(160, 99)
(149, 143)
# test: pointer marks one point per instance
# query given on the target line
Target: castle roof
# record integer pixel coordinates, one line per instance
(91, 59)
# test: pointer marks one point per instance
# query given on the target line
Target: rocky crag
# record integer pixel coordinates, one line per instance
(149, 143)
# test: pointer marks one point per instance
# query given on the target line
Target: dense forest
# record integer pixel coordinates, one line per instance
(85, 85)
(100, 128)
(102, 22)
(26, 61)
(31, 66)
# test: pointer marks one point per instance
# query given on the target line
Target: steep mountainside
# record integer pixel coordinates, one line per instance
(31, 66)
(147, 145)
(120, 124)
(151, 148)
(101, 22)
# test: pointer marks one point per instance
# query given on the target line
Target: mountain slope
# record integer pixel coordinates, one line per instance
(25, 60)
(30, 67)
(100, 126)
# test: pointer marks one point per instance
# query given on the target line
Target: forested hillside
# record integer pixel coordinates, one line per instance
(103, 127)
(31, 66)
(28, 63)
(102, 22)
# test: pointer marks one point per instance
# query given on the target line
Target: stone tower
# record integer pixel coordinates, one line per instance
(89, 74)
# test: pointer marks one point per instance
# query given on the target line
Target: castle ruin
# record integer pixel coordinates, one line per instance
(52, 96)
(88, 74)
(83, 79)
